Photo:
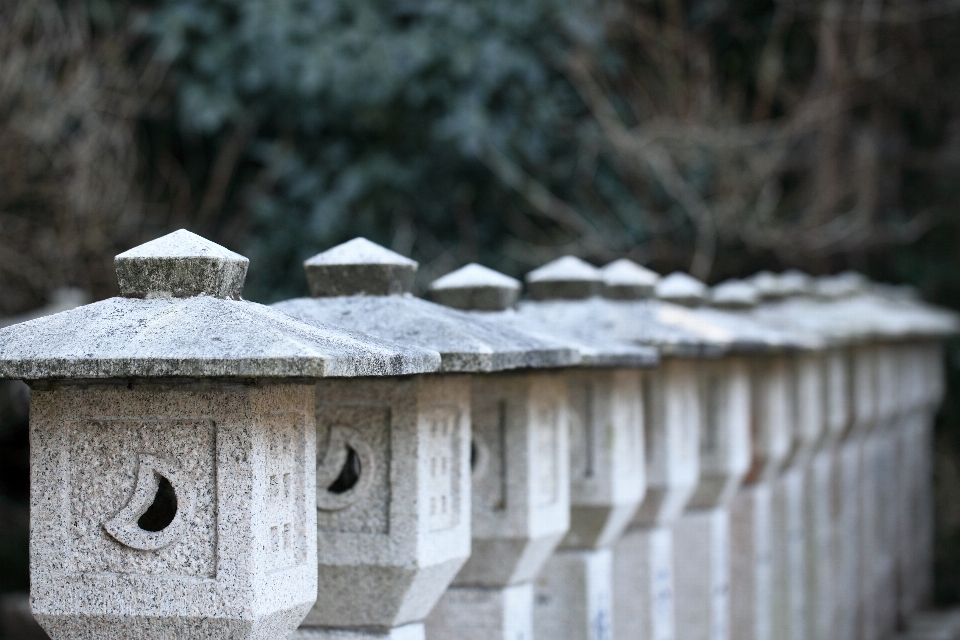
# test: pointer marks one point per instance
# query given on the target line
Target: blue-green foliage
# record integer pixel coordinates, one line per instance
(369, 114)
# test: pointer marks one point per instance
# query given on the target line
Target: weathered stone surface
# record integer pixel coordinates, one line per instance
(466, 342)
(195, 337)
(624, 279)
(234, 555)
(566, 278)
(750, 563)
(359, 267)
(180, 265)
(682, 289)
(476, 288)
(521, 476)
(393, 528)
(701, 567)
(413, 631)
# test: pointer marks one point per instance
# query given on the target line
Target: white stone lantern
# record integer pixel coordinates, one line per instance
(573, 589)
(173, 447)
(397, 549)
(643, 603)
(702, 536)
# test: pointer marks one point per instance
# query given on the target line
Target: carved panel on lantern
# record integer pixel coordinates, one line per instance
(143, 497)
(284, 508)
(353, 468)
(441, 459)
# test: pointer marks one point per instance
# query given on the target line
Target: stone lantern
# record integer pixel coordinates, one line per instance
(398, 548)
(573, 589)
(172, 450)
(702, 536)
(642, 574)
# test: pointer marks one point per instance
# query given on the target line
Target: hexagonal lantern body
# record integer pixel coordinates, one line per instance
(517, 454)
(640, 560)
(702, 535)
(572, 591)
(173, 445)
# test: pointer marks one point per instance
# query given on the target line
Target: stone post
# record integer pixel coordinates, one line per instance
(573, 590)
(173, 442)
(643, 602)
(703, 579)
(516, 460)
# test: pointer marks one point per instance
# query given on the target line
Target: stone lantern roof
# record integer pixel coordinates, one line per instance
(180, 315)
(387, 309)
(467, 287)
(624, 279)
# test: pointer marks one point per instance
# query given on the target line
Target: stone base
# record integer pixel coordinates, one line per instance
(821, 590)
(788, 569)
(406, 632)
(476, 613)
(643, 603)
(701, 570)
(573, 596)
(750, 606)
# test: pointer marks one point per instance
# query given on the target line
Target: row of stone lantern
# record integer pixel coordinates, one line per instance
(619, 455)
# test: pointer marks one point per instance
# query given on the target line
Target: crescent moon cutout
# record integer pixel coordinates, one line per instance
(123, 526)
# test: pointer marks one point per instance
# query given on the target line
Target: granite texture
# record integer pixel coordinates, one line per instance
(201, 336)
(359, 267)
(682, 289)
(239, 459)
(475, 287)
(390, 541)
(624, 279)
(466, 343)
(566, 278)
(483, 614)
(180, 265)
(521, 476)
(181, 317)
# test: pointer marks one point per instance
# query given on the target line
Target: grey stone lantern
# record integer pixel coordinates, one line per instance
(173, 450)
(516, 457)
(624, 279)
(607, 480)
(729, 389)
(642, 573)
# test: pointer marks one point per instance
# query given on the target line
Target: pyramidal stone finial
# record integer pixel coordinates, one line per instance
(735, 294)
(180, 265)
(359, 267)
(842, 285)
(794, 282)
(624, 279)
(566, 278)
(681, 288)
(767, 284)
(475, 287)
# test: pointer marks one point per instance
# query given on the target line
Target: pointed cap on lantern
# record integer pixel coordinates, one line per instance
(683, 289)
(566, 278)
(794, 282)
(180, 265)
(476, 288)
(734, 294)
(624, 279)
(359, 267)
(181, 316)
(842, 285)
(466, 343)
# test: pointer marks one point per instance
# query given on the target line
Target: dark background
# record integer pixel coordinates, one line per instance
(719, 137)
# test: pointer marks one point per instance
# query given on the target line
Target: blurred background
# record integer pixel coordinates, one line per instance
(718, 137)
